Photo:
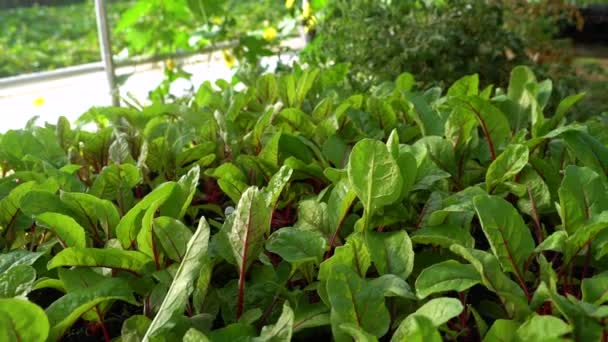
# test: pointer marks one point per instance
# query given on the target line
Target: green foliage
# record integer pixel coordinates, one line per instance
(49, 37)
(440, 41)
(293, 209)
(41, 38)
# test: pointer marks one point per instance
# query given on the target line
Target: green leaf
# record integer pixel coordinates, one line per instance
(439, 151)
(115, 182)
(307, 315)
(405, 82)
(173, 236)
(591, 152)
(297, 245)
(440, 310)
(541, 328)
(146, 243)
(67, 309)
(340, 200)
(304, 84)
(134, 328)
(460, 128)
(275, 186)
(287, 90)
(354, 302)
(17, 281)
(280, 331)
(391, 252)
(586, 327)
(509, 237)
(266, 87)
(131, 261)
(555, 242)
(312, 215)
(246, 233)
(361, 255)
(494, 124)
(178, 202)
(119, 150)
(10, 204)
(37, 202)
(16, 258)
(444, 236)
(595, 289)
(434, 313)
(416, 328)
(582, 195)
(343, 255)
(466, 85)
(502, 330)
(92, 209)
(392, 286)
(560, 112)
(130, 224)
(357, 333)
(408, 169)
(228, 170)
(428, 119)
(449, 275)
(492, 277)
(233, 188)
(193, 335)
(298, 120)
(233, 332)
(508, 164)
(374, 175)
(67, 230)
(22, 321)
(183, 281)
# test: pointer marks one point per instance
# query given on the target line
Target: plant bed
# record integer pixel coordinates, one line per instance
(292, 209)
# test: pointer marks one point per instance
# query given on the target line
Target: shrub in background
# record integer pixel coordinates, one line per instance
(381, 39)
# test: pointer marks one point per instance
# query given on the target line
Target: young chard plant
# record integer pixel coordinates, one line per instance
(293, 209)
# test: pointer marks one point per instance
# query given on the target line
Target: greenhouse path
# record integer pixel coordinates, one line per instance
(72, 96)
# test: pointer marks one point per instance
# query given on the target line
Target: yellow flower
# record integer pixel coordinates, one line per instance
(217, 20)
(306, 11)
(310, 23)
(170, 64)
(269, 34)
(228, 58)
(289, 3)
(39, 102)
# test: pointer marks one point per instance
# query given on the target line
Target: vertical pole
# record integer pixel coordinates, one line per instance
(303, 34)
(106, 49)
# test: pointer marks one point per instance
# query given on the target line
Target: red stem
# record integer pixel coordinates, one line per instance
(535, 217)
(485, 132)
(587, 261)
(240, 302)
(334, 236)
(518, 275)
(33, 242)
(464, 313)
(106, 335)
(155, 252)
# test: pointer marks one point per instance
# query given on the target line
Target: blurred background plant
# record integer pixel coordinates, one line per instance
(447, 39)
(40, 37)
(378, 39)
(45, 35)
